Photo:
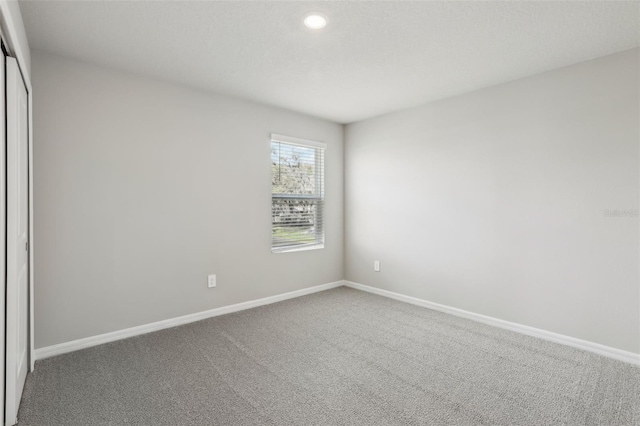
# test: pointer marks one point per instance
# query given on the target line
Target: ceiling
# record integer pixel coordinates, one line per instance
(372, 58)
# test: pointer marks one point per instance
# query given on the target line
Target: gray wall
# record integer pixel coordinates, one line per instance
(142, 188)
(494, 201)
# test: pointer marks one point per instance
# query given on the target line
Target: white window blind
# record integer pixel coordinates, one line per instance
(297, 194)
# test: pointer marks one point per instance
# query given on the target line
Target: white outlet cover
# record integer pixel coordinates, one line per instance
(376, 265)
(211, 282)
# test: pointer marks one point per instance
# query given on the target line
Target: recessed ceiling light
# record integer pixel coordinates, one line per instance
(315, 21)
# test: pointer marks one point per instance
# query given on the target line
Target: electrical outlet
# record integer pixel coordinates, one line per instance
(376, 265)
(211, 281)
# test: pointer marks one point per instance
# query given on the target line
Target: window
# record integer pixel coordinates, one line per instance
(297, 194)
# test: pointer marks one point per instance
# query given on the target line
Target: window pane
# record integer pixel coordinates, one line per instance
(293, 170)
(296, 222)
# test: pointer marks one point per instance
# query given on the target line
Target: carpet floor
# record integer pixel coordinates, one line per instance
(339, 357)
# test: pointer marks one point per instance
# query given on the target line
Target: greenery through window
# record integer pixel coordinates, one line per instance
(297, 196)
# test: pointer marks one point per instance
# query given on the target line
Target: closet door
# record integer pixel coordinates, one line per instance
(17, 303)
(3, 218)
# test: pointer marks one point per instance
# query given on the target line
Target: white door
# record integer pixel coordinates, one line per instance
(17, 237)
(3, 218)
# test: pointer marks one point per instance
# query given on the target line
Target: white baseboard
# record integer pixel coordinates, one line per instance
(87, 342)
(597, 348)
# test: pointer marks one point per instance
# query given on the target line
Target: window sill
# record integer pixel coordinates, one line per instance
(294, 249)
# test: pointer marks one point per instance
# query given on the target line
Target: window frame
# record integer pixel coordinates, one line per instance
(319, 148)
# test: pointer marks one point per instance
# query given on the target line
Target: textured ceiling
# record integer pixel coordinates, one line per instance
(372, 58)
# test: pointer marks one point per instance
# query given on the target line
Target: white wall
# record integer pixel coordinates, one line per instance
(494, 202)
(142, 188)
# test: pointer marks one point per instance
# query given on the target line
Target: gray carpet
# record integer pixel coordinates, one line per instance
(340, 357)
